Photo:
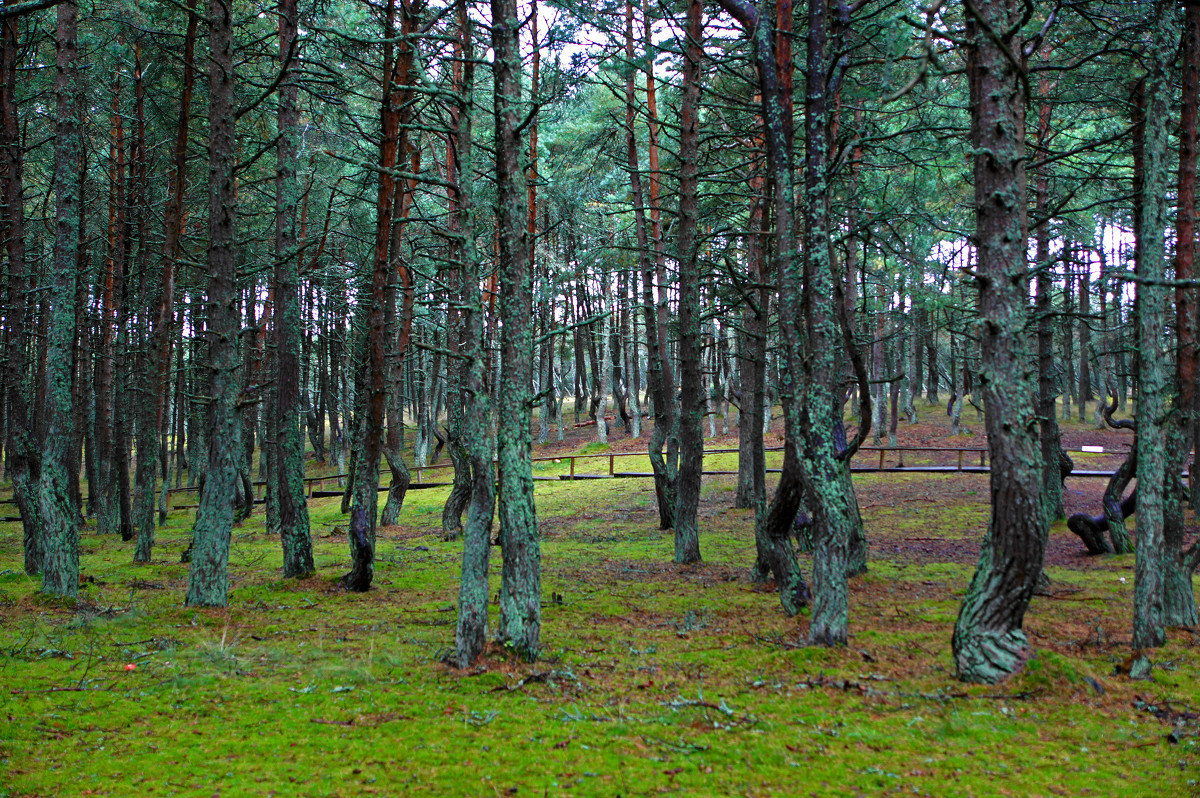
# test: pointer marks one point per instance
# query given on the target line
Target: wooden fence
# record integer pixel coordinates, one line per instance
(948, 460)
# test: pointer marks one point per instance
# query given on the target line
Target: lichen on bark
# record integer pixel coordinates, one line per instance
(988, 640)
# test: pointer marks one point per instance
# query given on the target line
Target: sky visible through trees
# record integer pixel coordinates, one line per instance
(243, 237)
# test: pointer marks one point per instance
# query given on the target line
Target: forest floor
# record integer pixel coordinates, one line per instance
(654, 678)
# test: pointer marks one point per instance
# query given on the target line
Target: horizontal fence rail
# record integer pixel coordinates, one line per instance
(943, 460)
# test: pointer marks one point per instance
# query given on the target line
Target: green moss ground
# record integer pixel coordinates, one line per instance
(654, 678)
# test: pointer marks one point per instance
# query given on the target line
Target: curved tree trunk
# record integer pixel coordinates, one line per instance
(819, 420)
(773, 536)
(989, 643)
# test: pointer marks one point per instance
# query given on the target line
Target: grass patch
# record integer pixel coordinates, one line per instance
(653, 677)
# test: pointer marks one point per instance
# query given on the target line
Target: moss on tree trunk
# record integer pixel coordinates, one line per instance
(989, 643)
(208, 579)
(520, 585)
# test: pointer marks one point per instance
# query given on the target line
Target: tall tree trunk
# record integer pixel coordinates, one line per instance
(1085, 338)
(1068, 330)
(476, 434)
(772, 50)
(288, 486)
(629, 347)
(658, 371)
(1049, 435)
(400, 280)
(23, 453)
(208, 580)
(531, 187)
(834, 508)
(692, 399)
(604, 375)
(751, 484)
(392, 143)
(112, 291)
(393, 450)
(1148, 631)
(931, 385)
(460, 492)
(989, 643)
(662, 381)
(150, 427)
(60, 546)
(520, 587)
(1179, 599)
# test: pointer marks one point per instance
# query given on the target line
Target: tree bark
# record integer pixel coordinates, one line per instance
(363, 511)
(1179, 599)
(288, 487)
(692, 399)
(989, 643)
(151, 442)
(520, 587)
(1049, 435)
(112, 291)
(208, 579)
(400, 281)
(23, 463)
(658, 370)
(60, 546)
(751, 484)
(604, 376)
(660, 373)
(1148, 631)
(476, 435)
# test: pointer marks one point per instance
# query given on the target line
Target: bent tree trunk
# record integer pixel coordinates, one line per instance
(989, 643)
(773, 536)
(392, 144)
(1112, 520)
(818, 352)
